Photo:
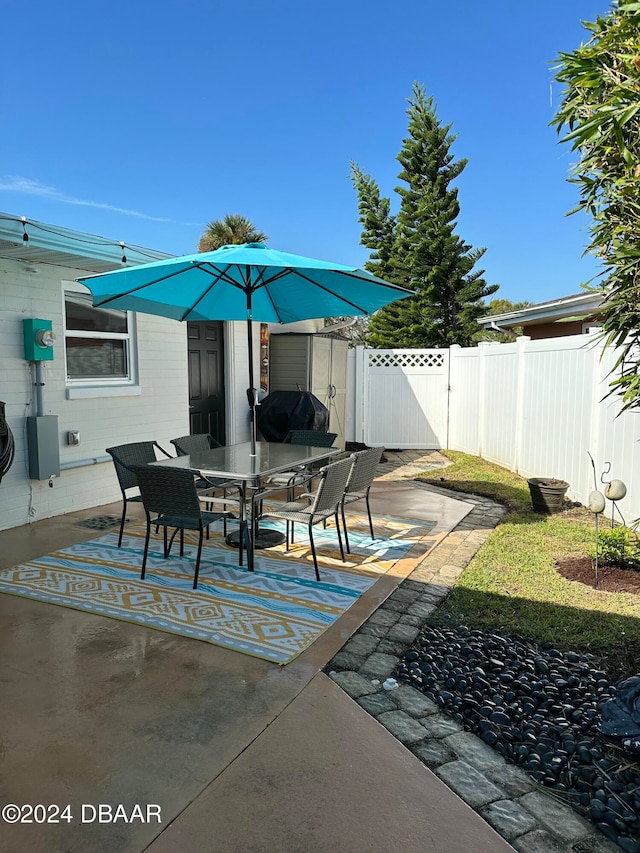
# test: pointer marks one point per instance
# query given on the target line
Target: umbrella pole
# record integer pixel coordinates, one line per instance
(251, 391)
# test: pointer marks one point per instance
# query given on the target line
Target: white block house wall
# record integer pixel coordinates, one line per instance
(157, 408)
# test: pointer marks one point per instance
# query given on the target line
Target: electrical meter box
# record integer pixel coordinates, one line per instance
(38, 339)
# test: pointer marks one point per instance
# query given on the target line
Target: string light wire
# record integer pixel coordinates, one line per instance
(86, 240)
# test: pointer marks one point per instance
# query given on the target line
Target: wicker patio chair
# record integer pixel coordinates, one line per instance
(171, 493)
(364, 469)
(197, 443)
(125, 457)
(310, 437)
(313, 508)
(208, 486)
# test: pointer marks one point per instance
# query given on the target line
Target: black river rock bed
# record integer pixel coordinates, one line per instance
(540, 709)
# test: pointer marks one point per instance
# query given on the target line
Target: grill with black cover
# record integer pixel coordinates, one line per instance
(281, 411)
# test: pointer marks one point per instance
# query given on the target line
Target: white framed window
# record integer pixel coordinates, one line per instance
(99, 346)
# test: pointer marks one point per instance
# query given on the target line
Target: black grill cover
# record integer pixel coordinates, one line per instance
(281, 411)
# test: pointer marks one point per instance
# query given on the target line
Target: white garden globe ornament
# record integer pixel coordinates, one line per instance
(596, 502)
(615, 490)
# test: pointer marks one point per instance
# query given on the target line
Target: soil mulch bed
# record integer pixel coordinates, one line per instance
(611, 576)
(624, 661)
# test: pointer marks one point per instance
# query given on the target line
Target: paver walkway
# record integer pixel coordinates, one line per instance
(530, 818)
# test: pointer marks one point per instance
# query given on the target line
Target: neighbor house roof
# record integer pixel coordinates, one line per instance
(53, 244)
(565, 308)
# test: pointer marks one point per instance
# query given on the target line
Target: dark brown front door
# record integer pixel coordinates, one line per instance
(206, 378)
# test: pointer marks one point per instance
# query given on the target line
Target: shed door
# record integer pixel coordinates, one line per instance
(206, 378)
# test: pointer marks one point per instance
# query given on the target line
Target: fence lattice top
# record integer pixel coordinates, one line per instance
(421, 358)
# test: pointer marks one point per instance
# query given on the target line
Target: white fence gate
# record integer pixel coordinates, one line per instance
(398, 397)
(536, 407)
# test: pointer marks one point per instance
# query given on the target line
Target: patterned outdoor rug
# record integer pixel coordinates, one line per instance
(273, 613)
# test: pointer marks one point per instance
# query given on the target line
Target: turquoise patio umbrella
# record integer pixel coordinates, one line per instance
(243, 282)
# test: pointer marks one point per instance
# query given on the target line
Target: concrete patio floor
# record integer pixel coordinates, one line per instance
(238, 754)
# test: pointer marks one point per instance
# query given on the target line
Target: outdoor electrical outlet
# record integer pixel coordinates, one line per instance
(73, 437)
(51, 479)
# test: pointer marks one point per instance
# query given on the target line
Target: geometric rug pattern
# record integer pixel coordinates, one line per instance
(274, 612)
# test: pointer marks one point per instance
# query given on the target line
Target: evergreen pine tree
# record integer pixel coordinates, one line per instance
(420, 249)
(378, 225)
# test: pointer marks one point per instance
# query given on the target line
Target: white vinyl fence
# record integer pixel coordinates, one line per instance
(536, 407)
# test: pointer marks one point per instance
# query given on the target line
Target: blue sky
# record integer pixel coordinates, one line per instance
(142, 121)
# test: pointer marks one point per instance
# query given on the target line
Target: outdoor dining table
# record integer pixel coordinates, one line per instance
(236, 464)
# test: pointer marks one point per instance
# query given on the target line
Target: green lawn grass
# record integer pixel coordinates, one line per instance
(512, 583)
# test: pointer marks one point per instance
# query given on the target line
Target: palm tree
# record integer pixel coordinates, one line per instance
(232, 228)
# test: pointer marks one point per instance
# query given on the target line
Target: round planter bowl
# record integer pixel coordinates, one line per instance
(547, 494)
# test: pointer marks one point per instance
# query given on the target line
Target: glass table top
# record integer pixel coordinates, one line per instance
(235, 460)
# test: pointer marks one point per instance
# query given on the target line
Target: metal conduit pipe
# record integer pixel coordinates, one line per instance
(39, 383)
(82, 463)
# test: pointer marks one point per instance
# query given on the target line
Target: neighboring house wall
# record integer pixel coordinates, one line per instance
(538, 331)
(574, 315)
(158, 409)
